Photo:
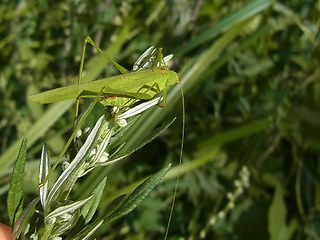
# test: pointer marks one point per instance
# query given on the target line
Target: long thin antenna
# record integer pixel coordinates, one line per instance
(180, 161)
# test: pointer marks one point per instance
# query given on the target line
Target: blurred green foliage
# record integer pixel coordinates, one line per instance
(251, 81)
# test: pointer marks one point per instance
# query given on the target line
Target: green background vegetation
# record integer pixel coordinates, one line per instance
(250, 72)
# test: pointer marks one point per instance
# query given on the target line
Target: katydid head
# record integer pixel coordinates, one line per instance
(172, 78)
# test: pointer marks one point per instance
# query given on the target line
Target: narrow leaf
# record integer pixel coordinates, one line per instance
(24, 217)
(137, 195)
(115, 203)
(89, 209)
(277, 216)
(139, 108)
(15, 194)
(103, 146)
(68, 208)
(43, 172)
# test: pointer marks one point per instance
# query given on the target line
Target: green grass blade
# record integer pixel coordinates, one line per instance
(209, 155)
(35, 132)
(236, 133)
(244, 13)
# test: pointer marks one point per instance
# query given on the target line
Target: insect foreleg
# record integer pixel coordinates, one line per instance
(156, 89)
(164, 97)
